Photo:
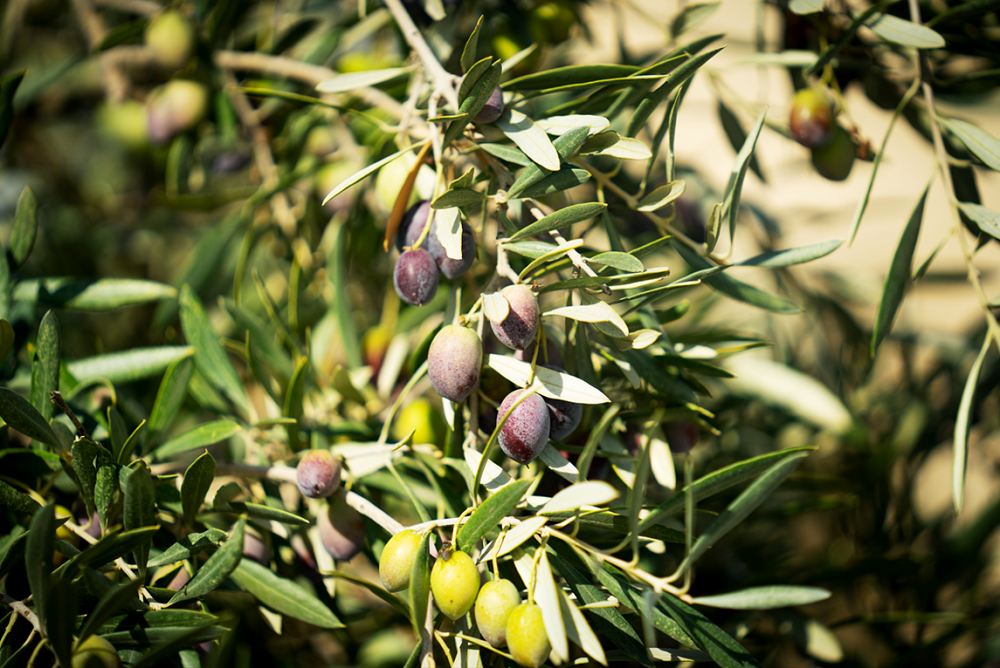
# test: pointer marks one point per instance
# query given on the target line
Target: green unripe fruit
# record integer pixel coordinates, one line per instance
(454, 583)
(811, 119)
(518, 329)
(420, 417)
(396, 562)
(454, 361)
(834, 160)
(496, 600)
(96, 652)
(526, 638)
(170, 37)
(318, 474)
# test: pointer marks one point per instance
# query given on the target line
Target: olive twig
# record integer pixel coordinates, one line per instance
(444, 82)
(23, 610)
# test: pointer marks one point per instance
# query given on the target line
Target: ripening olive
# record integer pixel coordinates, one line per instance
(835, 159)
(496, 600)
(453, 362)
(564, 417)
(454, 583)
(396, 562)
(811, 119)
(492, 110)
(318, 474)
(526, 431)
(415, 277)
(170, 38)
(518, 329)
(412, 226)
(526, 637)
(176, 106)
(96, 652)
(341, 530)
(681, 435)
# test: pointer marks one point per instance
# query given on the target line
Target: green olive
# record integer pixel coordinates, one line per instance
(454, 583)
(496, 600)
(396, 562)
(526, 637)
(835, 159)
(96, 652)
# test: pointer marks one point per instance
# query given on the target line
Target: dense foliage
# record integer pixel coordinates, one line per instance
(351, 334)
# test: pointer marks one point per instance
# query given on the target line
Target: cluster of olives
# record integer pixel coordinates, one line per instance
(500, 615)
(812, 124)
(416, 273)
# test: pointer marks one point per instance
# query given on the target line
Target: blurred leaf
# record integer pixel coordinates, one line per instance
(737, 137)
(593, 493)
(293, 407)
(197, 479)
(723, 649)
(987, 220)
(569, 75)
(272, 354)
(792, 256)
(8, 86)
(60, 619)
(375, 589)
(560, 125)
(662, 196)
(489, 513)
(338, 262)
(713, 230)
(735, 289)
(469, 51)
(650, 102)
(218, 567)
(786, 58)
(805, 6)
(764, 598)
(115, 598)
(846, 35)
(566, 146)
(16, 500)
(562, 218)
(189, 546)
(7, 340)
(38, 557)
(905, 33)
(283, 595)
(420, 584)
(267, 513)
(199, 437)
(899, 276)
(93, 294)
(45, 365)
(479, 95)
(84, 452)
(22, 416)
(370, 169)
(691, 16)
(129, 365)
(22, 235)
(553, 384)
(209, 355)
(140, 508)
(170, 395)
(344, 83)
(547, 597)
(530, 138)
(961, 439)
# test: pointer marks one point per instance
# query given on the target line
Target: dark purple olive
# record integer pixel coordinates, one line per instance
(681, 435)
(416, 277)
(564, 417)
(318, 474)
(526, 431)
(341, 530)
(492, 110)
(518, 329)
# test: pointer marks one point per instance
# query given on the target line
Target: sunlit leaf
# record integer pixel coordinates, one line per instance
(592, 313)
(129, 365)
(530, 138)
(488, 515)
(562, 218)
(93, 294)
(592, 493)
(218, 567)
(342, 83)
(764, 598)
(560, 125)
(662, 196)
(905, 33)
(961, 439)
(547, 598)
(553, 384)
(198, 437)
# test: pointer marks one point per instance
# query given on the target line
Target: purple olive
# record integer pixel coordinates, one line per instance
(416, 277)
(526, 431)
(454, 361)
(518, 329)
(492, 110)
(318, 474)
(564, 417)
(341, 530)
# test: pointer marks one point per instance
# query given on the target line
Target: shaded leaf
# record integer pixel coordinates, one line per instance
(218, 567)
(188, 547)
(691, 16)
(112, 600)
(22, 416)
(8, 86)
(60, 619)
(199, 437)
(987, 220)
(650, 102)
(197, 479)
(22, 235)
(905, 33)
(961, 438)
(140, 508)
(38, 557)
(805, 6)
(723, 649)
(566, 146)
(170, 395)
(283, 595)
(530, 138)
(367, 171)
(982, 144)
(477, 98)
(735, 289)
(45, 365)
(565, 179)
(489, 513)
(764, 598)
(129, 365)
(662, 196)
(93, 294)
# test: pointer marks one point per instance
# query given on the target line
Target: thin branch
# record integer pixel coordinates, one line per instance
(444, 81)
(140, 7)
(23, 610)
(116, 84)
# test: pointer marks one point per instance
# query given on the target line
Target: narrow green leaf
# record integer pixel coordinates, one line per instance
(170, 395)
(469, 52)
(905, 33)
(38, 557)
(84, 451)
(723, 649)
(119, 432)
(472, 77)
(7, 340)
(129, 365)
(764, 598)
(283, 595)
(556, 182)
(376, 590)
(22, 235)
(656, 97)
(662, 196)
(961, 438)
(218, 567)
(736, 135)
(507, 153)
(564, 217)
(293, 407)
(115, 598)
(370, 169)
(420, 584)
(530, 138)
(8, 86)
(197, 479)
(93, 294)
(264, 340)
(140, 508)
(473, 104)
(339, 261)
(735, 289)
(458, 197)
(489, 513)
(899, 276)
(621, 589)
(189, 546)
(547, 597)
(106, 485)
(713, 229)
(344, 83)
(719, 481)
(267, 513)
(171, 641)
(731, 201)
(45, 365)
(566, 146)
(987, 220)
(622, 261)
(792, 256)
(568, 75)
(742, 506)
(199, 437)
(6, 288)
(16, 500)
(12, 545)
(691, 16)
(844, 37)
(60, 619)
(22, 416)
(209, 355)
